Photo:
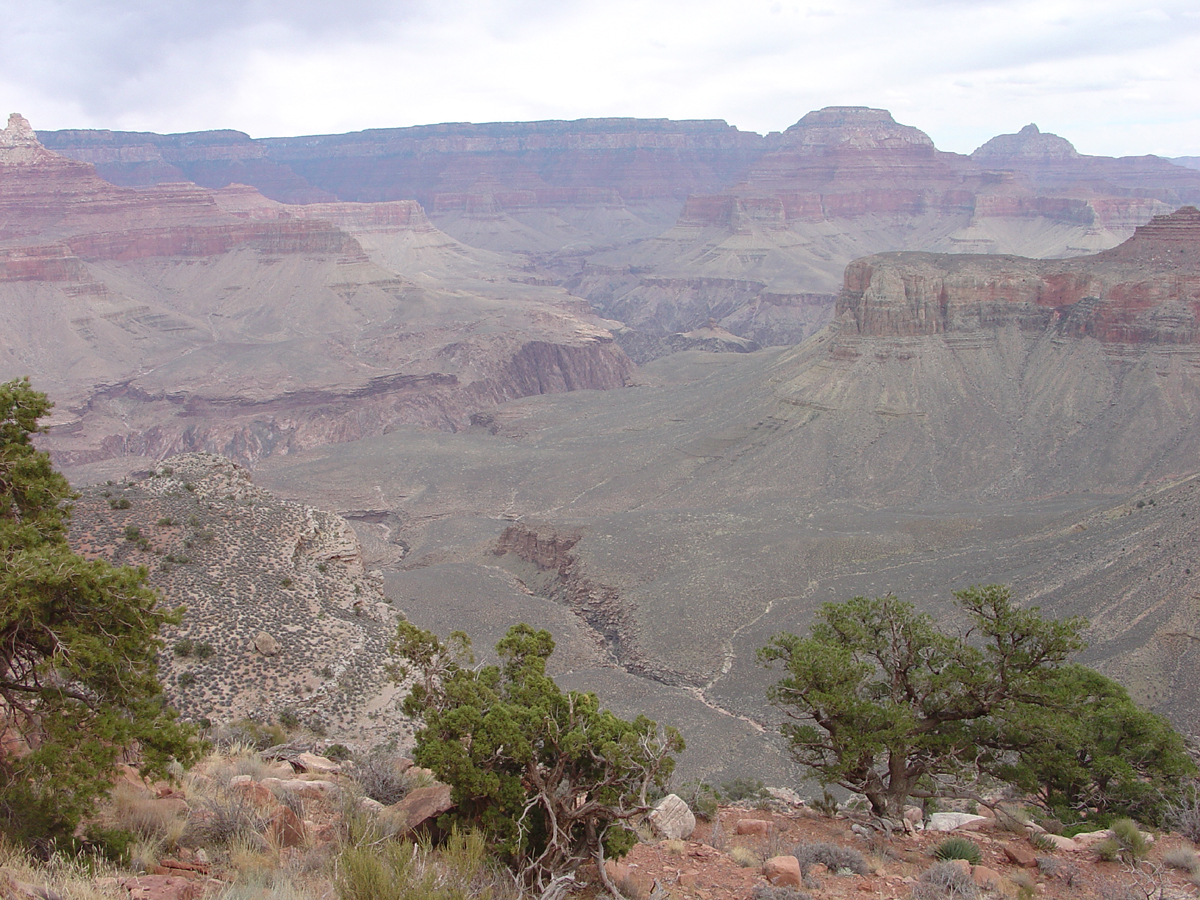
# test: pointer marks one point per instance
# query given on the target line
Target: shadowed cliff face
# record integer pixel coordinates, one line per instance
(174, 318)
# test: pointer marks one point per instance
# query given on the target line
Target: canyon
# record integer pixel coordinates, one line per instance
(662, 387)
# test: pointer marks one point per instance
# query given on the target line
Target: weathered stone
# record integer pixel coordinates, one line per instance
(672, 819)
(420, 806)
(265, 644)
(320, 765)
(786, 795)
(162, 887)
(314, 789)
(1088, 839)
(783, 871)
(1020, 855)
(949, 821)
(961, 864)
(752, 826)
(986, 878)
(370, 805)
(1060, 842)
(287, 828)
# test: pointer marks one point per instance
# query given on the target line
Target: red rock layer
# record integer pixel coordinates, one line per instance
(1147, 290)
(44, 195)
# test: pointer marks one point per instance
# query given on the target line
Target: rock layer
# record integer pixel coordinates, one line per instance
(1145, 291)
(174, 318)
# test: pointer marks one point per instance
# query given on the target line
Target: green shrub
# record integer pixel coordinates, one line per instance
(112, 844)
(184, 647)
(132, 533)
(1108, 850)
(289, 719)
(1129, 837)
(743, 789)
(186, 679)
(702, 799)
(204, 650)
(166, 522)
(958, 848)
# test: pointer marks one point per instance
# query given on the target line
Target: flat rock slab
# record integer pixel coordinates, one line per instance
(949, 821)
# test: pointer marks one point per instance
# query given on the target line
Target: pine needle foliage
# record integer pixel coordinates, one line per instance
(550, 776)
(78, 640)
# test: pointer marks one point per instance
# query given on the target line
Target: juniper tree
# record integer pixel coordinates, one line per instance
(553, 778)
(884, 703)
(78, 639)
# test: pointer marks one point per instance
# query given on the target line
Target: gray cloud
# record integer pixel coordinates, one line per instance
(961, 70)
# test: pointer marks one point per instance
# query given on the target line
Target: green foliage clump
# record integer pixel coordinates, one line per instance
(743, 788)
(958, 848)
(1131, 843)
(882, 701)
(1092, 746)
(550, 776)
(185, 647)
(78, 641)
(702, 799)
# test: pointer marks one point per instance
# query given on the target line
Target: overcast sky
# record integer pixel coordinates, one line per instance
(1113, 77)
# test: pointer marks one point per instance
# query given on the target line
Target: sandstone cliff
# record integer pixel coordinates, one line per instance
(174, 318)
(664, 225)
(1147, 290)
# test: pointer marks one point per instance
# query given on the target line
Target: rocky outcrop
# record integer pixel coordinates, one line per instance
(544, 560)
(280, 612)
(1027, 144)
(1051, 164)
(1145, 291)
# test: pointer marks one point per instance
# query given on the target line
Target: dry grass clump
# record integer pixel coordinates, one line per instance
(153, 821)
(68, 876)
(389, 870)
(380, 778)
(836, 859)
(221, 815)
(1182, 858)
(744, 857)
(1183, 814)
(944, 880)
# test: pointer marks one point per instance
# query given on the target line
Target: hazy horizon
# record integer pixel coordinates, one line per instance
(1115, 78)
